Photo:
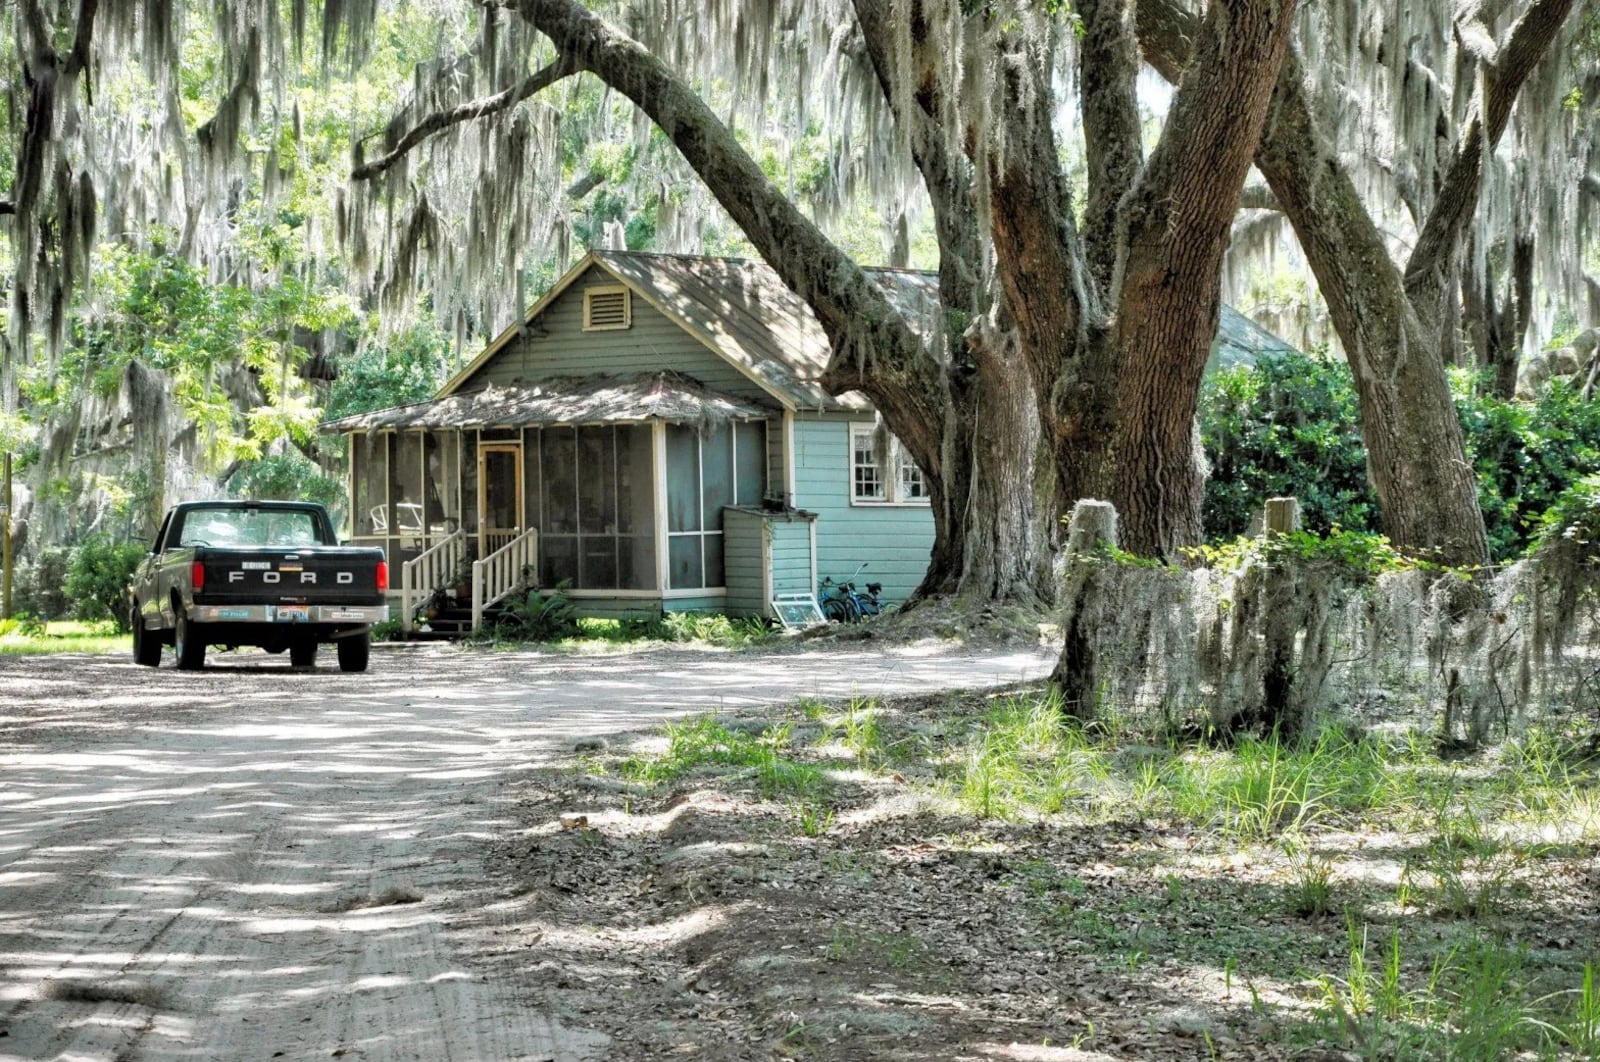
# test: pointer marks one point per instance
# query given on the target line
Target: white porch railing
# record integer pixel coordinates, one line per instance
(422, 575)
(502, 572)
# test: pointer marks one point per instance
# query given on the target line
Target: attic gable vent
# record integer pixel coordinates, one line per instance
(606, 308)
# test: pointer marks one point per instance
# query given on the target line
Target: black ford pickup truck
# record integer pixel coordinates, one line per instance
(270, 574)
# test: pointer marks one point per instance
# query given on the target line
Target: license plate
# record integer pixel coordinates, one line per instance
(293, 614)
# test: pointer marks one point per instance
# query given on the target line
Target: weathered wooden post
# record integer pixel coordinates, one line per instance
(1093, 525)
(1279, 619)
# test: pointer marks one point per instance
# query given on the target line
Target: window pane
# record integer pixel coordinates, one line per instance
(751, 459)
(713, 557)
(716, 468)
(560, 448)
(636, 563)
(911, 485)
(558, 559)
(636, 483)
(683, 479)
(598, 563)
(867, 475)
(684, 571)
(597, 481)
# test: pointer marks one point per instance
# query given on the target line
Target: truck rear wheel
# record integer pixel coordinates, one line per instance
(146, 645)
(354, 651)
(190, 642)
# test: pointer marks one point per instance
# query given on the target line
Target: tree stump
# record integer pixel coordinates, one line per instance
(1280, 621)
(1093, 524)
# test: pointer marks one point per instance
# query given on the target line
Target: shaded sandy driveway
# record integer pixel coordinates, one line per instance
(255, 863)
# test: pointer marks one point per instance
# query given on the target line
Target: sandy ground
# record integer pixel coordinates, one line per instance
(254, 863)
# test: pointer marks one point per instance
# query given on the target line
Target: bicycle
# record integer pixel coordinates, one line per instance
(842, 603)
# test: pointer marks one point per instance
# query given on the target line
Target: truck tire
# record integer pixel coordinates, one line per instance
(303, 654)
(146, 644)
(189, 640)
(354, 651)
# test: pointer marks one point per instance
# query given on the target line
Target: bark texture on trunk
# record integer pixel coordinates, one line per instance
(1173, 228)
(1415, 448)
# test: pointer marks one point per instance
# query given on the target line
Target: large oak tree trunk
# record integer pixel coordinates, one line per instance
(1415, 448)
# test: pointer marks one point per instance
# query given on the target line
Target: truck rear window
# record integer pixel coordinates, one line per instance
(248, 527)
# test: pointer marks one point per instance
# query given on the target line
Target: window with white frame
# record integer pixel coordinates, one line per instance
(881, 471)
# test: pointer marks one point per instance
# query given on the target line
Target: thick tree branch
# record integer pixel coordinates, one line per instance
(853, 311)
(1177, 217)
(1113, 134)
(1038, 251)
(439, 121)
(1458, 195)
(946, 170)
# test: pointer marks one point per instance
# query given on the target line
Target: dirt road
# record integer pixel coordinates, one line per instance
(255, 863)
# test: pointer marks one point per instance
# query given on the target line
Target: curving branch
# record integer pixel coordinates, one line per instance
(439, 121)
(933, 137)
(854, 312)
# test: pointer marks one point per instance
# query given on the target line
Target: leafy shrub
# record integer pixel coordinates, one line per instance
(98, 578)
(1526, 455)
(714, 628)
(1290, 425)
(1287, 425)
(537, 616)
(287, 476)
(41, 586)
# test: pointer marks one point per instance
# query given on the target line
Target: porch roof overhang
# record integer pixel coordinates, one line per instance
(565, 400)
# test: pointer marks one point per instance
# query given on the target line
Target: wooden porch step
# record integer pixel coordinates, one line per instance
(453, 623)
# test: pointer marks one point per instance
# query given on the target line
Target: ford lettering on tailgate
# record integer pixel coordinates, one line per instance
(296, 577)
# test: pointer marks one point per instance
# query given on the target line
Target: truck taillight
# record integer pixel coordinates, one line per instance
(197, 576)
(383, 576)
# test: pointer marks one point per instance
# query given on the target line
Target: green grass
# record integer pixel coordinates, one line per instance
(1243, 859)
(62, 636)
(706, 743)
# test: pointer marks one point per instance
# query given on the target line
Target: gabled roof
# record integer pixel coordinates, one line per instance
(740, 310)
(562, 400)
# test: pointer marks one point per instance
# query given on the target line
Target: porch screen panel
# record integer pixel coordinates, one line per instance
(685, 571)
(469, 481)
(369, 487)
(636, 508)
(560, 457)
(441, 503)
(750, 462)
(532, 478)
(405, 487)
(597, 483)
(598, 506)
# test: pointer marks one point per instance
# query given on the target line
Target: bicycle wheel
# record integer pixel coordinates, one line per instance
(834, 610)
(852, 608)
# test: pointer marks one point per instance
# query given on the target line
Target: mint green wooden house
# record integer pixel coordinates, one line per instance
(651, 434)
